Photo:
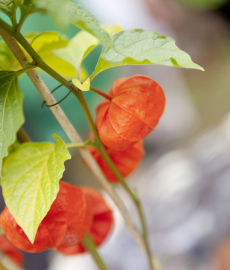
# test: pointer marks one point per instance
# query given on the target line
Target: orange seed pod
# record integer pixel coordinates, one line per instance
(134, 111)
(101, 225)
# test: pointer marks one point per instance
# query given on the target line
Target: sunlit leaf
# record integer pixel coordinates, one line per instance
(30, 181)
(140, 47)
(45, 43)
(85, 86)
(112, 29)
(11, 113)
(77, 49)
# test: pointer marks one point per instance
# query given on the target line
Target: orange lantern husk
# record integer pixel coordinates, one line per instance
(10, 250)
(133, 112)
(126, 161)
(101, 225)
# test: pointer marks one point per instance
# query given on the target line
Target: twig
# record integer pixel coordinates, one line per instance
(73, 135)
(92, 249)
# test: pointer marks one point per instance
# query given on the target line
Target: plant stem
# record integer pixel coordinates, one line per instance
(100, 93)
(7, 31)
(91, 247)
(23, 70)
(84, 144)
(108, 160)
(23, 136)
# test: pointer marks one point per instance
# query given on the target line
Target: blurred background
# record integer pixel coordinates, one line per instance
(184, 179)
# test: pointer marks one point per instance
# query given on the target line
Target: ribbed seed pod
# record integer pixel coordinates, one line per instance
(101, 225)
(134, 111)
(126, 161)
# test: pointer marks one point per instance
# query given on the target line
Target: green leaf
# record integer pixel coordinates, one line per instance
(9, 7)
(7, 58)
(11, 113)
(85, 86)
(112, 29)
(58, 9)
(47, 42)
(27, 8)
(30, 181)
(86, 21)
(77, 49)
(140, 47)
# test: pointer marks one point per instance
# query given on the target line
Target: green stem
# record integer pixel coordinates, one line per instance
(2, 267)
(99, 92)
(87, 143)
(39, 61)
(135, 198)
(22, 20)
(91, 247)
(23, 70)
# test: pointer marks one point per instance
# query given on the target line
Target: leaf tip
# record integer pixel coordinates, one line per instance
(85, 86)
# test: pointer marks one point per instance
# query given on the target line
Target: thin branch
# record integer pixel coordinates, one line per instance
(73, 135)
(90, 246)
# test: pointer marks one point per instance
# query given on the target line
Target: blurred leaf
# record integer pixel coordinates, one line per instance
(9, 7)
(30, 181)
(11, 113)
(140, 47)
(58, 9)
(7, 58)
(13, 147)
(85, 86)
(86, 21)
(209, 4)
(45, 43)
(112, 29)
(28, 7)
(77, 49)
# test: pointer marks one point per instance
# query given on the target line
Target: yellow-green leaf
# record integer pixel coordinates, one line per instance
(45, 43)
(141, 47)
(11, 112)
(77, 49)
(30, 181)
(7, 58)
(85, 86)
(112, 29)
